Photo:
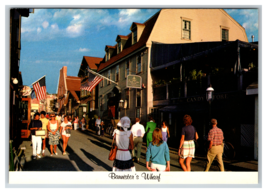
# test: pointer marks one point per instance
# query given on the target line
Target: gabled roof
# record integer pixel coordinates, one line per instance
(142, 42)
(121, 37)
(73, 83)
(135, 23)
(92, 61)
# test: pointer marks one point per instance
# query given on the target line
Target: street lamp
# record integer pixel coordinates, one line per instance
(209, 97)
(209, 93)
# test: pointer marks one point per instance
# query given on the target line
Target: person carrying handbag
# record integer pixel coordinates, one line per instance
(35, 125)
(65, 130)
(123, 139)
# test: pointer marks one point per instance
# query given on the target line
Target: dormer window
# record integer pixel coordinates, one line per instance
(119, 46)
(107, 56)
(134, 36)
(137, 30)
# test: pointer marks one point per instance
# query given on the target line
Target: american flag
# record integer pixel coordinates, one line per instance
(91, 82)
(40, 89)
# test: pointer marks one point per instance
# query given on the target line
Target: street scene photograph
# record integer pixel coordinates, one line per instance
(138, 90)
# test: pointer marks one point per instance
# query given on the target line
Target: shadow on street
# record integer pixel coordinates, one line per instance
(79, 162)
(107, 147)
(49, 164)
(96, 161)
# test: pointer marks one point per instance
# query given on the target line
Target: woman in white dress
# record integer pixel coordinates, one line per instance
(123, 137)
(76, 123)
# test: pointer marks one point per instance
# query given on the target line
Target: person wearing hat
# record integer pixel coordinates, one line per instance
(123, 138)
(36, 124)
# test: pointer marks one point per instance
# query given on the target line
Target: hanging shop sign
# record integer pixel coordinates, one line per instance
(134, 81)
(26, 91)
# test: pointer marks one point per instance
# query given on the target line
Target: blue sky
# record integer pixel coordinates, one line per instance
(53, 38)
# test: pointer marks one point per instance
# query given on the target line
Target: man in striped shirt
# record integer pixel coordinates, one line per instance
(215, 137)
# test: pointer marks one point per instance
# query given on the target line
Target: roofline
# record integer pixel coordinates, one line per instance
(123, 58)
(235, 22)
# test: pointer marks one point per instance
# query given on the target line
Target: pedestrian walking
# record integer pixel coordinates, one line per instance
(53, 134)
(58, 118)
(215, 136)
(138, 131)
(102, 128)
(65, 129)
(123, 138)
(150, 127)
(82, 124)
(35, 125)
(76, 123)
(97, 125)
(165, 131)
(158, 153)
(44, 127)
(187, 145)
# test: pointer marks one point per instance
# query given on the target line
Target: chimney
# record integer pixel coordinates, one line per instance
(65, 70)
(252, 37)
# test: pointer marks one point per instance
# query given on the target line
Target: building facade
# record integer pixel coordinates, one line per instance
(132, 54)
(68, 92)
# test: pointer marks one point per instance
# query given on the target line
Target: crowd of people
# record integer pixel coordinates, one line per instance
(157, 150)
(54, 128)
(128, 138)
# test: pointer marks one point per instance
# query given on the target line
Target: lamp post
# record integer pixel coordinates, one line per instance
(209, 97)
(120, 106)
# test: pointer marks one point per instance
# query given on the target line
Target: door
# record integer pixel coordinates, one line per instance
(25, 109)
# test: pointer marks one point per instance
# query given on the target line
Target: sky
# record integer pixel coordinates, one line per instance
(53, 38)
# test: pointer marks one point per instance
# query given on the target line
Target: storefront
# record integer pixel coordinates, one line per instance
(181, 74)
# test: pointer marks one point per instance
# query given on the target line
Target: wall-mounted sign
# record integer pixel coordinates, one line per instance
(134, 81)
(84, 109)
(26, 91)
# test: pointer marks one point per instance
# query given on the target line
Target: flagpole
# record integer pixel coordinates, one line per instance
(38, 80)
(101, 76)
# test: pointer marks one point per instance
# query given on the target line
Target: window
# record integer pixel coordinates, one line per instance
(107, 55)
(127, 68)
(134, 36)
(109, 77)
(170, 118)
(138, 98)
(138, 113)
(117, 73)
(127, 98)
(138, 64)
(119, 46)
(225, 36)
(186, 34)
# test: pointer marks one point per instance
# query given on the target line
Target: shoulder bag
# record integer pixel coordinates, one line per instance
(130, 145)
(113, 151)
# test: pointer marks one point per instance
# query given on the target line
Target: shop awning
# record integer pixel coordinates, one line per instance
(252, 89)
(165, 55)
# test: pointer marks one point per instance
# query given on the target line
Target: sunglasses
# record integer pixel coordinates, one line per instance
(52, 116)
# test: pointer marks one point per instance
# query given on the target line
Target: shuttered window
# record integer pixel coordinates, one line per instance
(186, 30)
